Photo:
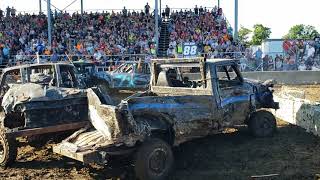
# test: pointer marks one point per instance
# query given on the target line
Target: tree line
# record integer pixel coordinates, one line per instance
(260, 33)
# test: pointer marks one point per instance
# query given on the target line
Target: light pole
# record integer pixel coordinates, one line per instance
(156, 24)
(218, 3)
(236, 19)
(49, 22)
(81, 7)
(160, 7)
(40, 8)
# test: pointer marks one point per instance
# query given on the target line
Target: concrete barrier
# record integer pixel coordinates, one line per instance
(286, 77)
(294, 108)
(300, 112)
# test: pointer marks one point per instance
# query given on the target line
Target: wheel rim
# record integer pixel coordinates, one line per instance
(265, 126)
(157, 160)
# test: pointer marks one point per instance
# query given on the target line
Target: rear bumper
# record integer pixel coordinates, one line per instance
(87, 157)
(99, 156)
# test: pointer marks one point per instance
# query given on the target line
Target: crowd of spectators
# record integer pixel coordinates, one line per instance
(297, 55)
(207, 28)
(91, 34)
(101, 35)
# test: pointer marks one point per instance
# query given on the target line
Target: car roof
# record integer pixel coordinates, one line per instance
(34, 65)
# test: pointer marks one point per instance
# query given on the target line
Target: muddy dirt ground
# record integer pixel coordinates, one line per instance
(292, 153)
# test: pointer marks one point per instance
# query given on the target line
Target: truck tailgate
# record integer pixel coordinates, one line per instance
(96, 144)
(83, 146)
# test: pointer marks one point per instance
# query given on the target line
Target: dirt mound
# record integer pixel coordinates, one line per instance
(292, 153)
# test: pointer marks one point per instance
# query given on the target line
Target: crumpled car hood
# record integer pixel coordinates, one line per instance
(21, 93)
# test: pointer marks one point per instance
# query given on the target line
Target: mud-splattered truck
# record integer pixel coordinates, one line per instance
(36, 100)
(188, 98)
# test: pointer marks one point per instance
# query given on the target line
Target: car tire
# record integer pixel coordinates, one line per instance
(154, 160)
(262, 124)
(8, 150)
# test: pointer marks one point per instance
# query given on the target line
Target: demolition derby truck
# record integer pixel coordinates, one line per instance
(188, 98)
(38, 99)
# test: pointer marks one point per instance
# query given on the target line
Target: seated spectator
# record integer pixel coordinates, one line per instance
(278, 63)
(302, 66)
(171, 52)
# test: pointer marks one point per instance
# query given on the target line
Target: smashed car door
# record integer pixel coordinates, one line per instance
(234, 95)
(141, 77)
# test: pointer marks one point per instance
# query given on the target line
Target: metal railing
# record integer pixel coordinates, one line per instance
(104, 60)
(247, 63)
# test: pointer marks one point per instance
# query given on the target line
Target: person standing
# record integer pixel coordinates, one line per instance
(8, 12)
(258, 57)
(167, 10)
(196, 10)
(147, 9)
(124, 11)
(1, 14)
(13, 12)
(201, 10)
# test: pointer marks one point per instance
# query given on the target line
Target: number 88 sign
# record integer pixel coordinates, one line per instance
(190, 49)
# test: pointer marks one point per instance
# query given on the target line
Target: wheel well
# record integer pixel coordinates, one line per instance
(13, 120)
(166, 135)
(160, 127)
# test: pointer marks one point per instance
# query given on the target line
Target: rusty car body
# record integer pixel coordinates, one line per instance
(188, 98)
(38, 99)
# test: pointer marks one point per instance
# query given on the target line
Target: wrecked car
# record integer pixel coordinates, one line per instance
(38, 99)
(131, 75)
(91, 76)
(188, 99)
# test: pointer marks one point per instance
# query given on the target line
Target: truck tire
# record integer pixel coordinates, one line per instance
(8, 150)
(154, 160)
(262, 124)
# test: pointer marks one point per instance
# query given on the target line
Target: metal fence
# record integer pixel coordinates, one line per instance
(276, 61)
(104, 61)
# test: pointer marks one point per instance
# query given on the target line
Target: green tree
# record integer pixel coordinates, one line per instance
(243, 35)
(301, 31)
(260, 33)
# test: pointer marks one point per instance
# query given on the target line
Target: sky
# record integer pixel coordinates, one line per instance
(279, 15)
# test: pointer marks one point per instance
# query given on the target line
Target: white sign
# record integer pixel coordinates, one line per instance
(190, 49)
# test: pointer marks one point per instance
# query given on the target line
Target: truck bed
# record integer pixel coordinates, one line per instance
(83, 145)
(90, 146)
(102, 139)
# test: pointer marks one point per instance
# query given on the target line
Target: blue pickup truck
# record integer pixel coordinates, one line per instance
(187, 99)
